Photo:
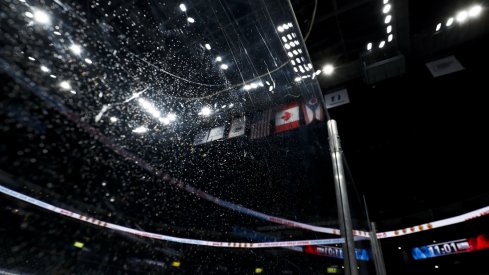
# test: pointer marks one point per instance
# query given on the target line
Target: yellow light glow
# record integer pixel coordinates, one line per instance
(331, 270)
(258, 270)
(175, 264)
(78, 244)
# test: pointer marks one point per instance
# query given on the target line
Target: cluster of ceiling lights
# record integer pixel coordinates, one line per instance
(207, 46)
(151, 109)
(183, 8)
(462, 16)
(291, 43)
(42, 18)
(258, 84)
(207, 111)
(386, 9)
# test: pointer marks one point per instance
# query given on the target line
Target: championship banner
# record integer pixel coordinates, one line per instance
(238, 127)
(201, 138)
(216, 133)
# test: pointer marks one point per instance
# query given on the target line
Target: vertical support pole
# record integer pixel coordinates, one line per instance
(377, 251)
(344, 214)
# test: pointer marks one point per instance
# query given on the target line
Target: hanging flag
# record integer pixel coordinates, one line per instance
(261, 124)
(201, 137)
(312, 111)
(444, 66)
(216, 133)
(238, 127)
(287, 118)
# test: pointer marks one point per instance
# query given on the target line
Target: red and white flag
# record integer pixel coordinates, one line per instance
(287, 118)
(312, 111)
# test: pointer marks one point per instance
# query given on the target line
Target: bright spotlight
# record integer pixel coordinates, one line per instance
(462, 16)
(475, 11)
(208, 46)
(218, 59)
(438, 26)
(183, 7)
(88, 61)
(224, 66)
(388, 19)
(328, 69)
(390, 37)
(280, 29)
(113, 119)
(171, 116)
(449, 22)
(191, 20)
(389, 29)
(369, 46)
(387, 8)
(45, 69)
(76, 49)
(150, 108)
(164, 120)
(41, 17)
(140, 130)
(381, 44)
(65, 85)
(206, 111)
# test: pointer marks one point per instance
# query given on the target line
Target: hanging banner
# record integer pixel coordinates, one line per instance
(337, 98)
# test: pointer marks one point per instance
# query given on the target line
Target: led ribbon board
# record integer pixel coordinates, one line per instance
(479, 242)
(145, 234)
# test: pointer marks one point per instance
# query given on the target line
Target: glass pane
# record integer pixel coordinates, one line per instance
(163, 136)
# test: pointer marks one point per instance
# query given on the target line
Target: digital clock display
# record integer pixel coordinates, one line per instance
(452, 247)
(440, 249)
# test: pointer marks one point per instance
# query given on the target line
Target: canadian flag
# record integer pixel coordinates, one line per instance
(287, 118)
(312, 111)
